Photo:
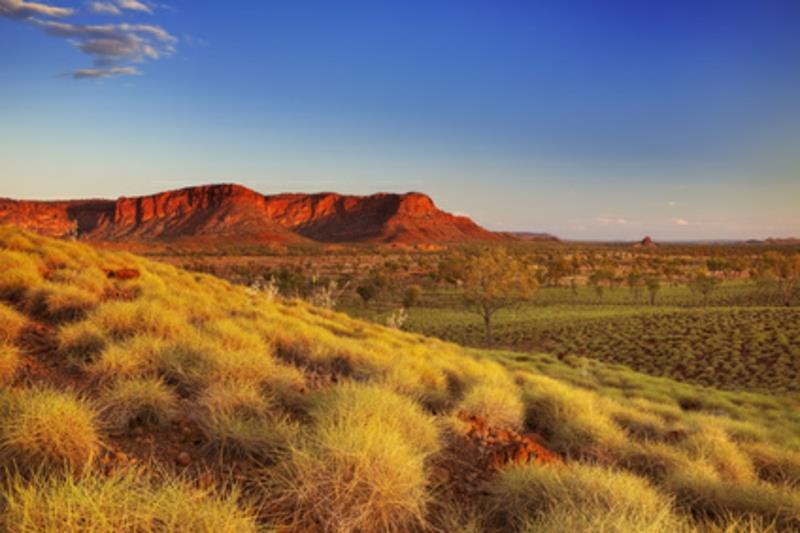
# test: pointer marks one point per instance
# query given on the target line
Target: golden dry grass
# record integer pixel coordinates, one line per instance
(338, 420)
(48, 428)
(131, 402)
(125, 502)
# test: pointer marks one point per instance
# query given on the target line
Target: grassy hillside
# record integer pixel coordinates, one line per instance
(140, 397)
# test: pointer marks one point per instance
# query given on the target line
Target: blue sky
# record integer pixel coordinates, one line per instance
(591, 120)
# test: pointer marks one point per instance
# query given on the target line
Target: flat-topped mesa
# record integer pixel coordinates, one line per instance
(378, 218)
(238, 213)
(139, 209)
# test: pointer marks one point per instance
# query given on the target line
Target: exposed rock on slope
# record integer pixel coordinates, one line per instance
(235, 212)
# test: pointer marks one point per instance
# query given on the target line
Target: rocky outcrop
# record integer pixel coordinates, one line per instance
(406, 218)
(235, 212)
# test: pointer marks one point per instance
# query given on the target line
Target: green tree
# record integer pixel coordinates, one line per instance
(653, 286)
(704, 284)
(494, 280)
(367, 292)
(634, 280)
(411, 296)
(783, 271)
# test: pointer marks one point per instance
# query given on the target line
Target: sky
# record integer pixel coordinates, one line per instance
(590, 120)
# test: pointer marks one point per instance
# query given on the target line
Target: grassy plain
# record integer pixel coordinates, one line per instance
(732, 342)
(178, 401)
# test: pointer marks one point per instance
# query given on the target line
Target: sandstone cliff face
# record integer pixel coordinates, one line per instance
(235, 212)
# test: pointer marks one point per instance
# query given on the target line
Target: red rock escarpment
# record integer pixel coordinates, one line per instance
(238, 213)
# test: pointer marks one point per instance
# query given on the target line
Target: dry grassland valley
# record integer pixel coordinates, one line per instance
(485, 387)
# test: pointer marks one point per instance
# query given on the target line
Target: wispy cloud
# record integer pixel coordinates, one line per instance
(114, 44)
(607, 221)
(680, 221)
(20, 9)
(105, 72)
(116, 7)
(104, 8)
(114, 48)
(134, 5)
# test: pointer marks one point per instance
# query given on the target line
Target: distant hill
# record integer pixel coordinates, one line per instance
(782, 241)
(533, 236)
(237, 214)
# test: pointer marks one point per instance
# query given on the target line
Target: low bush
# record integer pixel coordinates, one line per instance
(713, 499)
(238, 421)
(122, 320)
(120, 502)
(580, 498)
(713, 445)
(48, 428)
(354, 405)
(774, 464)
(19, 273)
(82, 341)
(137, 401)
(500, 406)
(574, 421)
(56, 302)
(11, 323)
(9, 362)
(358, 469)
(138, 356)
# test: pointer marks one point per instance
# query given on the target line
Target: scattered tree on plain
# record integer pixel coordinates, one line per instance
(494, 280)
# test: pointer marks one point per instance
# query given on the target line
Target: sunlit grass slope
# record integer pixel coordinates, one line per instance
(305, 419)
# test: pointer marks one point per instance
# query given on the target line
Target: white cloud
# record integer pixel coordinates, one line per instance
(134, 5)
(609, 220)
(20, 9)
(680, 221)
(105, 73)
(116, 7)
(104, 8)
(672, 203)
(113, 45)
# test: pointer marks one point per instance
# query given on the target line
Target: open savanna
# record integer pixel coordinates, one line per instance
(738, 347)
(137, 396)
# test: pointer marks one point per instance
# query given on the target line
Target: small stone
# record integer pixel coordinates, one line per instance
(183, 459)
(206, 480)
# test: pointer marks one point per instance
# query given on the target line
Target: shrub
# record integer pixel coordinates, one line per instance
(711, 498)
(355, 404)
(580, 498)
(412, 295)
(9, 362)
(361, 468)
(499, 405)
(19, 273)
(236, 421)
(137, 356)
(574, 421)
(121, 320)
(48, 428)
(120, 502)
(185, 364)
(57, 302)
(137, 401)
(11, 323)
(774, 464)
(713, 445)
